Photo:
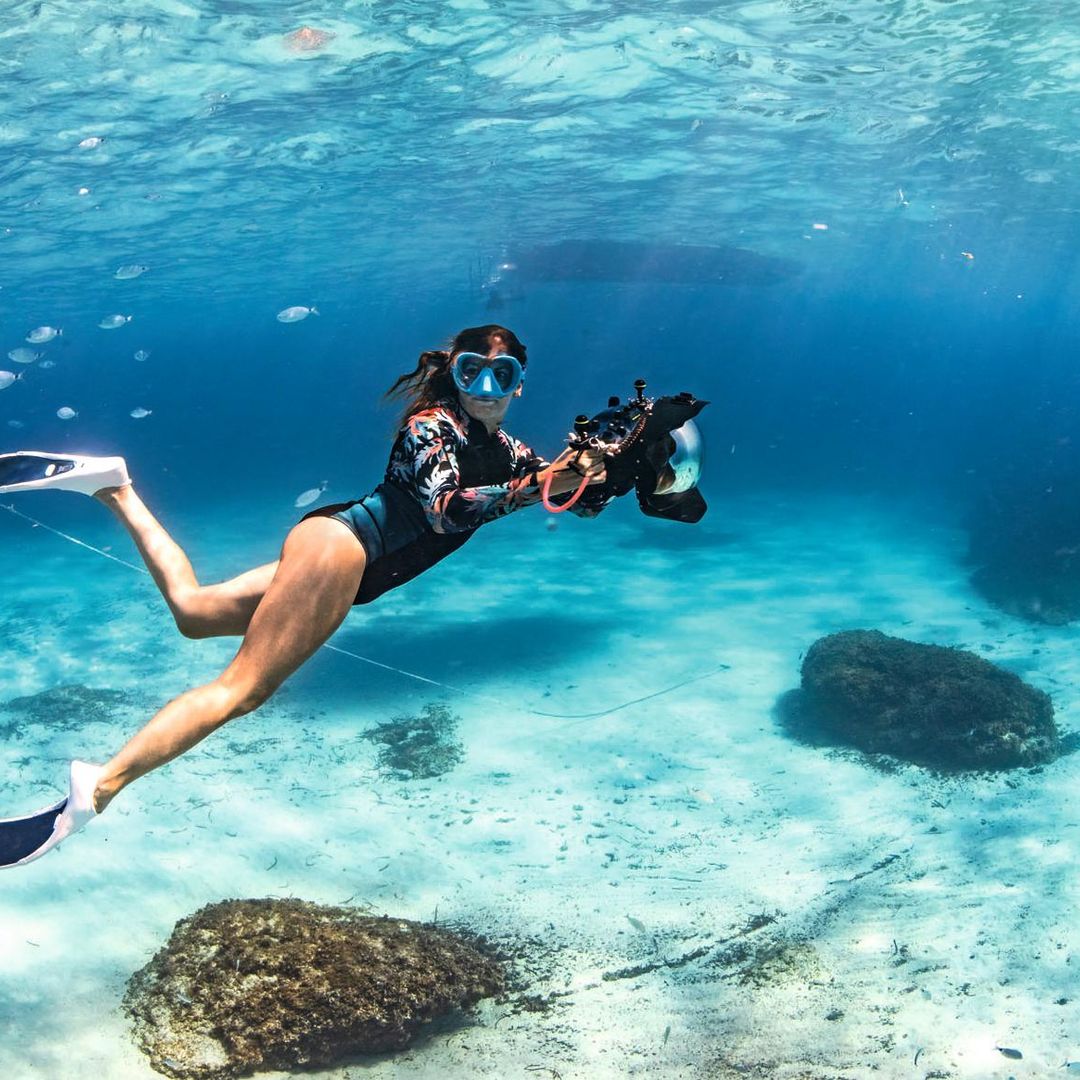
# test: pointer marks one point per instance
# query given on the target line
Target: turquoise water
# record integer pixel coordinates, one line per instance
(903, 343)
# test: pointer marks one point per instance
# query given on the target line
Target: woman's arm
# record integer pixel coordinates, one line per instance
(431, 445)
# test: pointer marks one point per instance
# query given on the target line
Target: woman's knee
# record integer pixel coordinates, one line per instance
(193, 616)
(212, 611)
(244, 695)
(187, 613)
(195, 628)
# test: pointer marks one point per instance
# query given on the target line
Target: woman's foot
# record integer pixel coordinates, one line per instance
(32, 470)
(105, 790)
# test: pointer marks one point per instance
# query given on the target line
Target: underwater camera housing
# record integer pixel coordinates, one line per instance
(651, 445)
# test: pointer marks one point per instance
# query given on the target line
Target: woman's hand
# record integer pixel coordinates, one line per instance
(568, 469)
(587, 462)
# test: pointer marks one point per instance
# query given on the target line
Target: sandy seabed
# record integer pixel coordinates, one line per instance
(691, 893)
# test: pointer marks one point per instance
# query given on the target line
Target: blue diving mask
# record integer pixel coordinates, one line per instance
(487, 376)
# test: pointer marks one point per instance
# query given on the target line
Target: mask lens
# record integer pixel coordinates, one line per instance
(506, 370)
(468, 366)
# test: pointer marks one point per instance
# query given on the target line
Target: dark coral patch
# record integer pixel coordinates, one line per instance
(418, 747)
(62, 708)
(933, 706)
(244, 985)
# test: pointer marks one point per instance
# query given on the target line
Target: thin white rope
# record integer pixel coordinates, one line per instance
(74, 539)
(402, 671)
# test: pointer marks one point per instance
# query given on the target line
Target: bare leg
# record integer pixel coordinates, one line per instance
(318, 574)
(199, 610)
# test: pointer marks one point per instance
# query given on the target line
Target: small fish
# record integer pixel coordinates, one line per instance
(142, 354)
(1071, 1066)
(8, 378)
(17, 424)
(296, 314)
(91, 142)
(22, 355)
(637, 924)
(1009, 1052)
(140, 412)
(65, 412)
(968, 255)
(901, 197)
(45, 365)
(306, 498)
(114, 322)
(42, 334)
(131, 270)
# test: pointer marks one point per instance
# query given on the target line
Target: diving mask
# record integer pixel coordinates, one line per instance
(487, 376)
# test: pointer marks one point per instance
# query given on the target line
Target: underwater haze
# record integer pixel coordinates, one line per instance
(383, 175)
(851, 227)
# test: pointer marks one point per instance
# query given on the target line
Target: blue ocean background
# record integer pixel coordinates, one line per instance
(908, 167)
(381, 176)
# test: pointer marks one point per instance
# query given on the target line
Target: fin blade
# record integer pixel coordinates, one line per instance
(20, 837)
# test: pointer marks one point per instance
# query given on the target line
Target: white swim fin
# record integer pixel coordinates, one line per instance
(24, 839)
(29, 470)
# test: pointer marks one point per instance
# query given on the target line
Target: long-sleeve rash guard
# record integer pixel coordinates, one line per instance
(447, 475)
(435, 458)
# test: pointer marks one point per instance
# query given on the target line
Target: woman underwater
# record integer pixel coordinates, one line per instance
(452, 469)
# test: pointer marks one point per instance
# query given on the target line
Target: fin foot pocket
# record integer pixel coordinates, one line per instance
(32, 470)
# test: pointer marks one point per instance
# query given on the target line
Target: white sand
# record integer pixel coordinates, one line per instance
(916, 915)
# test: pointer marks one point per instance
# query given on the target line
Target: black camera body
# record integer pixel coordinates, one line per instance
(650, 445)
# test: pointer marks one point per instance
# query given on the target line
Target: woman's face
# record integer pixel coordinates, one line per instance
(490, 411)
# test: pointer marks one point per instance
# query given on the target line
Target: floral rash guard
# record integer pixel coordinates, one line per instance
(426, 460)
(447, 476)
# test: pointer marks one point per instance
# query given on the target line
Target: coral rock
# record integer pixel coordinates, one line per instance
(940, 707)
(244, 985)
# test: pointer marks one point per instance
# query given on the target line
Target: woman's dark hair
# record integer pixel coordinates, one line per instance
(431, 381)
